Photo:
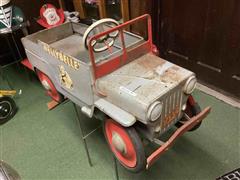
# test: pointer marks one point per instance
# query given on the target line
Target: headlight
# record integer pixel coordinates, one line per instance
(154, 111)
(190, 85)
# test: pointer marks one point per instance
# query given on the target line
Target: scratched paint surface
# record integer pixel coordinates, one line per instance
(136, 85)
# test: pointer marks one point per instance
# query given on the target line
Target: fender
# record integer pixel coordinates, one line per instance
(122, 117)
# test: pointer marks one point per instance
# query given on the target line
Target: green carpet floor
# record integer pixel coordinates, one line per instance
(44, 144)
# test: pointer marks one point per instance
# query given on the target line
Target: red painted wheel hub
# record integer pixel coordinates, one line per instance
(191, 100)
(124, 150)
(49, 86)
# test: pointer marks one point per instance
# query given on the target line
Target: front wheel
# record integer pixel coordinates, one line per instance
(126, 145)
(192, 109)
(8, 109)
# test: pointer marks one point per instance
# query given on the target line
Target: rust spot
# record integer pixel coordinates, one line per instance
(150, 62)
(176, 68)
(146, 91)
(168, 120)
(171, 74)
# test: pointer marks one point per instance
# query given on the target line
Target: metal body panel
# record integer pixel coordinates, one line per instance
(43, 49)
(122, 117)
(135, 86)
(81, 91)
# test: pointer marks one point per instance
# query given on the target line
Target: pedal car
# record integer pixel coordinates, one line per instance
(105, 69)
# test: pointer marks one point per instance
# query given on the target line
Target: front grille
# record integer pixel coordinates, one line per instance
(171, 107)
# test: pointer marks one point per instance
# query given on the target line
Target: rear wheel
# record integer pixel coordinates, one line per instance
(8, 109)
(126, 145)
(49, 86)
(192, 109)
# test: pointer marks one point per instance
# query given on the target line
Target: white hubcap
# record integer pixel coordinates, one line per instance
(46, 85)
(118, 143)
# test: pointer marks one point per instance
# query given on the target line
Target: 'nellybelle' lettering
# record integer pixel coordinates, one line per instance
(62, 57)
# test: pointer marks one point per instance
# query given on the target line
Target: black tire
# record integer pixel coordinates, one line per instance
(141, 160)
(192, 110)
(8, 109)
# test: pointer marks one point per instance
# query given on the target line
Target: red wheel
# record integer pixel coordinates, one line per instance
(126, 145)
(49, 86)
(192, 109)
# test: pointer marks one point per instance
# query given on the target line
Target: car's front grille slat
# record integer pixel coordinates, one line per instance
(171, 108)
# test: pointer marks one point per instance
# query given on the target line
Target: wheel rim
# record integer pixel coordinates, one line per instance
(49, 86)
(120, 143)
(5, 109)
(188, 110)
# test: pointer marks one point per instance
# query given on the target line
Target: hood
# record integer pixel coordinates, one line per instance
(136, 85)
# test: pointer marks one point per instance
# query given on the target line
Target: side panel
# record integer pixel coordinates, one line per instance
(74, 83)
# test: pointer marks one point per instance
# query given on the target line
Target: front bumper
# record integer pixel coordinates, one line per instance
(180, 131)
